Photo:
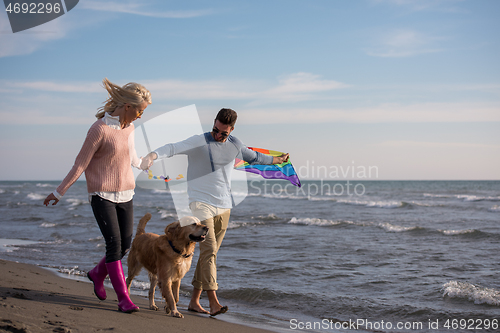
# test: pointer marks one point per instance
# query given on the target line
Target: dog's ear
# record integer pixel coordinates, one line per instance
(171, 228)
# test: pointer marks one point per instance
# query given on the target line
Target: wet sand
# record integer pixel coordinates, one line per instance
(34, 299)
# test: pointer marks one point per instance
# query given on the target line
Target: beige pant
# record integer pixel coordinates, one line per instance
(216, 219)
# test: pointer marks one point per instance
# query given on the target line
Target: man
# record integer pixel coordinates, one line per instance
(210, 163)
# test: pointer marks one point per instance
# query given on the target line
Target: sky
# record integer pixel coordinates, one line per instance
(409, 89)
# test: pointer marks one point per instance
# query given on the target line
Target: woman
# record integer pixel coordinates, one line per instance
(105, 157)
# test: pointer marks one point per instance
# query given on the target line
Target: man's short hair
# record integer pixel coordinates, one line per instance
(227, 117)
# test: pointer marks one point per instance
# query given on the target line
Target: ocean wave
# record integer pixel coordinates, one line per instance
(396, 228)
(77, 202)
(237, 224)
(463, 197)
(165, 214)
(476, 294)
(284, 196)
(495, 208)
(45, 185)
(72, 271)
(165, 191)
(457, 232)
(140, 285)
(270, 217)
(324, 222)
(239, 194)
(313, 221)
(377, 204)
(47, 225)
(36, 196)
(2, 191)
(9, 245)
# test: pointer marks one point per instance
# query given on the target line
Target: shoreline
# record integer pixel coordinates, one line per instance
(35, 299)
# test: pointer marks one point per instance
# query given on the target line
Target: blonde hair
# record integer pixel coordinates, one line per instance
(132, 93)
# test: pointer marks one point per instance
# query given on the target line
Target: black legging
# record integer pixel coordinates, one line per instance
(116, 221)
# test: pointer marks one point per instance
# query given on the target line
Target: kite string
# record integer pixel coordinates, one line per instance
(166, 179)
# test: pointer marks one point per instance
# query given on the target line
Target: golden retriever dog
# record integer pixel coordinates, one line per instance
(167, 258)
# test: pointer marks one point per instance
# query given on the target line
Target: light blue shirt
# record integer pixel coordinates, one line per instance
(210, 165)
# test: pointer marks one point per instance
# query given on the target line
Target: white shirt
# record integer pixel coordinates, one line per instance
(121, 196)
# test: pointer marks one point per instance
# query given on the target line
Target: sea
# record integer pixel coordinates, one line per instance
(331, 256)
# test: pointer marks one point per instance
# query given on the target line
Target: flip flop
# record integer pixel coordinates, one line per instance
(193, 310)
(221, 311)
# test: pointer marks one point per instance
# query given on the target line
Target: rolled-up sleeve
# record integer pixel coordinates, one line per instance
(181, 147)
(253, 157)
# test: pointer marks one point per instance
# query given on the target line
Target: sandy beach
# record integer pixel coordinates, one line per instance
(34, 299)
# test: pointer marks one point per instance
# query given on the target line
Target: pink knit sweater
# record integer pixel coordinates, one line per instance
(105, 159)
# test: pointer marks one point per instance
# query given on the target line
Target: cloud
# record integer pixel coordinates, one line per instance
(424, 5)
(293, 87)
(297, 86)
(300, 86)
(28, 41)
(67, 87)
(404, 43)
(384, 113)
(136, 9)
(19, 116)
(66, 102)
(430, 145)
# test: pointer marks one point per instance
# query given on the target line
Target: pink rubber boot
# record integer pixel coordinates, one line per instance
(97, 275)
(115, 271)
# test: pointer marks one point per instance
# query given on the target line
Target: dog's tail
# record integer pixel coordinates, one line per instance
(142, 224)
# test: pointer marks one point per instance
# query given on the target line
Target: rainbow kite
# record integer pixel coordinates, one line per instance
(272, 171)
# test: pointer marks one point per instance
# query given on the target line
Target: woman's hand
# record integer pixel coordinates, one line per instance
(147, 161)
(49, 198)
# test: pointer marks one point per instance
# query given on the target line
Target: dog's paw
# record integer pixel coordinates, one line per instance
(167, 309)
(153, 307)
(177, 314)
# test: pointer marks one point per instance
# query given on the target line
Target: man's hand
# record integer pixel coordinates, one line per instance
(280, 159)
(147, 161)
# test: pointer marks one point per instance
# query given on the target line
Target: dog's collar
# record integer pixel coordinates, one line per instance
(179, 252)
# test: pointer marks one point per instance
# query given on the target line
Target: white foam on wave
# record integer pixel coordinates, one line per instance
(495, 208)
(284, 196)
(9, 245)
(77, 202)
(140, 285)
(72, 271)
(236, 224)
(44, 185)
(395, 228)
(377, 204)
(239, 194)
(476, 294)
(47, 225)
(313, 221)
(269, 217)
(160, 191)
(165, 191)
(166, 214)
(2, 191)
(456, 232)
(463, 197)
(36, 196)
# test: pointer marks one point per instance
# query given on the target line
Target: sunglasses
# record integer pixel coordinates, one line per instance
(139, 112)
(136, 108)
(216, 130)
